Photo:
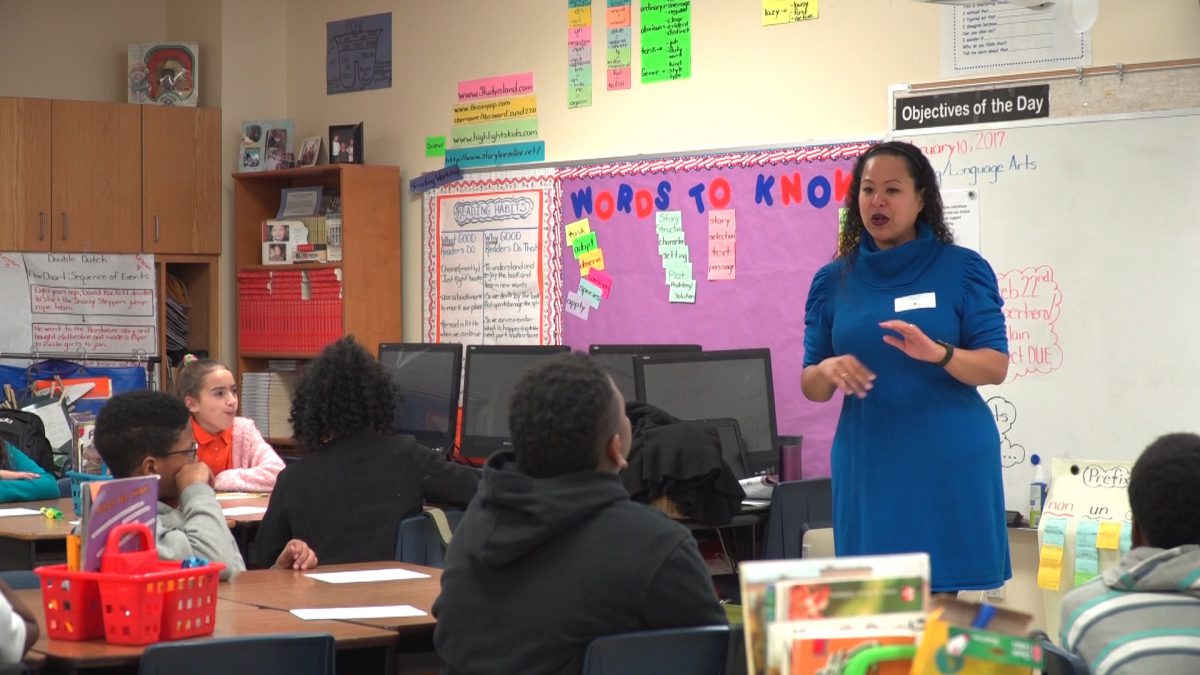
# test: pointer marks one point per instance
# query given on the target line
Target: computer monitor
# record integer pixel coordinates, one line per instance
(709, 385)
(492, 373)
(427, 378)
(617, 361)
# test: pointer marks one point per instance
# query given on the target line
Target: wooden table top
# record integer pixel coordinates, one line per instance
(259, 500)
(288, 589)
(233, 619)
(39, 527)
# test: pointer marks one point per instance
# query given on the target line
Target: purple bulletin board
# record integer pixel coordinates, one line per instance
(786, 205)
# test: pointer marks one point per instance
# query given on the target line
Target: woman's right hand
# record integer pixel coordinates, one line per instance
(848, 374)
(17, 475)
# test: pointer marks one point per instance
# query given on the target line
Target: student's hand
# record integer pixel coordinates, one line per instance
(189, 474)
(297, 556)
(5, 474)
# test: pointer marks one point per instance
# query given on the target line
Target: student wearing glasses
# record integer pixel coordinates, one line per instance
(144, 433)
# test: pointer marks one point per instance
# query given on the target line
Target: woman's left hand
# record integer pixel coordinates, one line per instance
(913, 341)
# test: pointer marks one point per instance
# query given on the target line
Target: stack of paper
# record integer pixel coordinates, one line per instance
(177, 316)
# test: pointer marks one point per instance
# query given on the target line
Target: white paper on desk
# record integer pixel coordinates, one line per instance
(380, 612)
(239, 495)
(19, 512)
(360, 576)
(243, 510)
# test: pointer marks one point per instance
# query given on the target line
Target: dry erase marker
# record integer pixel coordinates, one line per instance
(983, 617)
(51, 512)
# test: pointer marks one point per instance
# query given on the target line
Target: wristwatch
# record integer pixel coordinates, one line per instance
(949, 353)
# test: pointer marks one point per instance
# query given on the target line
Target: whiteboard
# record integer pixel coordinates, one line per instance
(1090, 225)
(91, 304)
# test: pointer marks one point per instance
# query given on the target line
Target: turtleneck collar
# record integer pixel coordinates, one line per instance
(897, 266)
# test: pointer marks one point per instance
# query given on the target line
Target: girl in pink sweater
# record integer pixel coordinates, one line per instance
(231, 446)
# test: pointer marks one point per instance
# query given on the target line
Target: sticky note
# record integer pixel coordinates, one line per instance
(590, 292)
(1050, 568)
(577, 306)
(683, 292)
(435, 146)
(602, 281)
(1109, 536)
(577, 228)
(591, 260)
(584, 243)
(1126, 538)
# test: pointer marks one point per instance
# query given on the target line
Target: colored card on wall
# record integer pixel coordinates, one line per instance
(576, 305)
(577, 228)
(602, 281)
(778, 12)
(435, 146)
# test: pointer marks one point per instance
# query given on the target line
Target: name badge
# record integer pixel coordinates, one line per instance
(918, 301)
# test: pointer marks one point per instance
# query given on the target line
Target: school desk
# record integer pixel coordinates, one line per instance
(28, 541)
(354, 641)
(287, 590)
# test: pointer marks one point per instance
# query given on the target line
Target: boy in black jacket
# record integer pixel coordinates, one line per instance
(552, 538)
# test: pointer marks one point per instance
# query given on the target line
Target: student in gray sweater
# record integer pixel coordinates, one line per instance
(145, 433)
(1143, 616)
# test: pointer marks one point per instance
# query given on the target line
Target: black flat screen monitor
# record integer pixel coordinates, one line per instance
(618, 362)
(709, 385)
(427, 378)
(492, 373)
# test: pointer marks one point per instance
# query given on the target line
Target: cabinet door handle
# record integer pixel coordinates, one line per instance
(41, 226)
(156, 228)
(64, 237)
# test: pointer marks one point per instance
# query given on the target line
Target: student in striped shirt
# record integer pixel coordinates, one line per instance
(1143, 616)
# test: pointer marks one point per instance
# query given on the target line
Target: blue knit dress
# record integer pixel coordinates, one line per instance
(916, 464)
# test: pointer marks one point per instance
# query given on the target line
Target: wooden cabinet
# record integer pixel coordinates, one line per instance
(96, 165)
(370, 265)
(181, 180)
(24, 174)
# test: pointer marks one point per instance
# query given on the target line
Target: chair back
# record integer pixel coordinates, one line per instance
(698, 650)
(18, 579)
(419, 542)
(64, 487)
(282, 654)
(796, 506)
(1059, 661)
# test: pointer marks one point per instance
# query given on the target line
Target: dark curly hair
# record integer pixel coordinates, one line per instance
(344, 391)
(925, 180)
(138, 424)
(562, 412)
(1163, 494)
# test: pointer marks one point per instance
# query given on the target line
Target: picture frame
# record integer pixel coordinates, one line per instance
(346, 144)
(300, 201)
(310, 151)
(265, 145)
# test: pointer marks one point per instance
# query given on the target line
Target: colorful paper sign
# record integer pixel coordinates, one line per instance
(495, 155)
(779, 12)
(666, 40)
(435, 146)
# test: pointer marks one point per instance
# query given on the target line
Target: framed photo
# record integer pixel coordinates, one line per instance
(277, 253)
(346, 144)
(310, 151)
(265, 144)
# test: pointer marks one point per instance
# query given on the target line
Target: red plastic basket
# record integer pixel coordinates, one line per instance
(170, 603)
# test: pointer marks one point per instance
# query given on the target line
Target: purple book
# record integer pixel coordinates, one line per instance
(109, 503)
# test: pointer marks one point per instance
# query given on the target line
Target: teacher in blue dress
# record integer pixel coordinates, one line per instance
(906, 325)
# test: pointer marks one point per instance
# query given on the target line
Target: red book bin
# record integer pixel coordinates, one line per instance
(136, 599)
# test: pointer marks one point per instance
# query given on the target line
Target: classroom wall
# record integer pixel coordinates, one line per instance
(750, 86)
(73, 49)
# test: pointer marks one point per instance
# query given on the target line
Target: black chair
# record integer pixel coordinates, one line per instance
(1057, 660)
(796, 506)
(18, 579)
(283, 654)
(419, 542)
(698, 650)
